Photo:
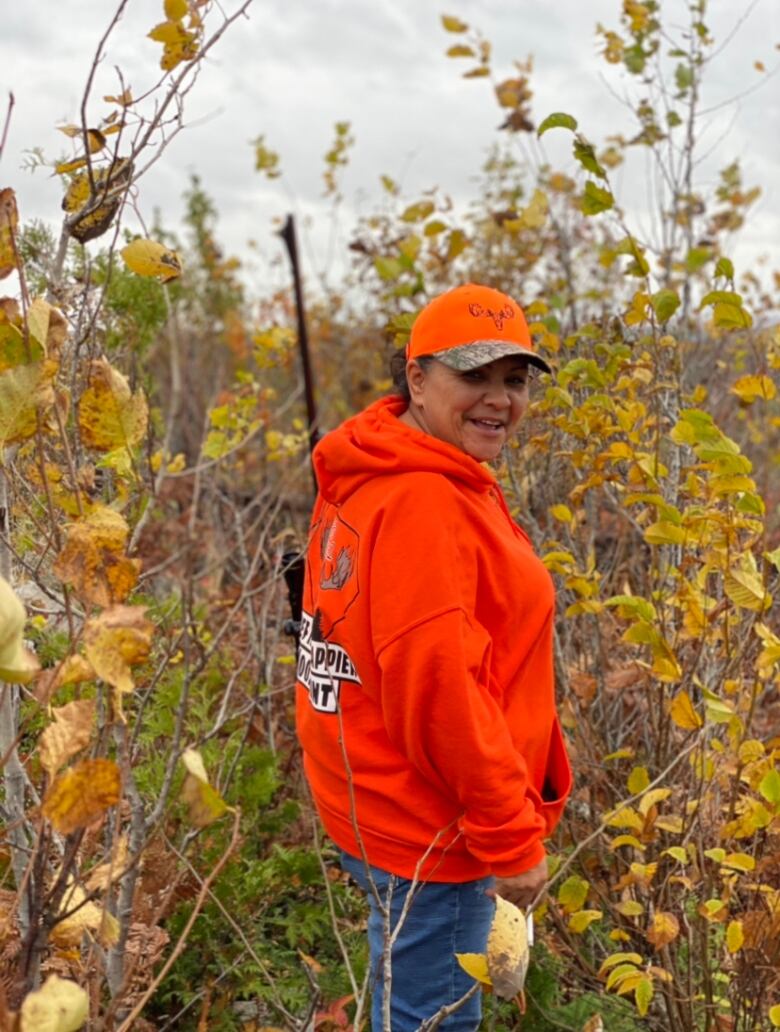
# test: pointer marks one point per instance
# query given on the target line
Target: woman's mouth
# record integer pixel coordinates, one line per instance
(488, 426)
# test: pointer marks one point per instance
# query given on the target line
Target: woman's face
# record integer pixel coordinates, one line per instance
(476, 410)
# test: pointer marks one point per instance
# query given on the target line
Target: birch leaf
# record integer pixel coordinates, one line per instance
(115, 641)
(148, 258)
(507, 950)
(92, 560)
(204, 803)
(110, 415)
(69, 733)
(9, 220)
(81, 794)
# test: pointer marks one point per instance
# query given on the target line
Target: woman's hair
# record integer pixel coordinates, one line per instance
(398, 371)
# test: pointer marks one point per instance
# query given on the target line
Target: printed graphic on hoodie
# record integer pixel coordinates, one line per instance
(335, 583)
(322, 666)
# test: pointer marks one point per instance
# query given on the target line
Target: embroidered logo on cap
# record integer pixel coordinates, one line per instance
(507, 312)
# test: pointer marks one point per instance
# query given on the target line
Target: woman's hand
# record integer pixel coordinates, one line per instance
(522, 889)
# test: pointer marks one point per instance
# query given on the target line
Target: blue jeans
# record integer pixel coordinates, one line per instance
(444, 918)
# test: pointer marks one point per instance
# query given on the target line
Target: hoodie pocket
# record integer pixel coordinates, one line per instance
(557, 779)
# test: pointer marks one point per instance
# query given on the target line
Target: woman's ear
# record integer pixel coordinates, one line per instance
(415, 377)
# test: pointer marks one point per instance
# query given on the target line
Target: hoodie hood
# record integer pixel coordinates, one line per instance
(376, 443)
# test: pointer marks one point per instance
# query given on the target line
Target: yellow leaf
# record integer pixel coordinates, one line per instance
(739, 862)
(17, 665)
(476, 965)
(619, 958)
(81, 794)
(664, 928)
(452, 24)
(507, 950)
(746, 590)
(683, 714)
(9, 220)
(630, 908)
(643, 994)
(652, 798)
(573, 893)
(110, 415)
(64, 167)
(626, 840)
(93, 560)
(175, 10)
(148, 258)
(87, 916)
(678, 853)
(119, 638)
(92, 214)
(74, 670)
(774, 1015)
(70, 732)
(24, 392)
(735, 936)
(748, 388)
(638, 780)
(58, 1006)
(204, 803)
(582, 920)
(625, 817)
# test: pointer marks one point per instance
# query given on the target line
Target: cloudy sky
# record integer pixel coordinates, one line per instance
(292, 68)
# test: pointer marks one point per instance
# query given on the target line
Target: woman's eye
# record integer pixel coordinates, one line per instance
(517, 381)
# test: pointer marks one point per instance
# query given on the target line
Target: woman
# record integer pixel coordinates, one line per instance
(425, 680)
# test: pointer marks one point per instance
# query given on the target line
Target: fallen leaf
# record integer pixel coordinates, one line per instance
(81, 794)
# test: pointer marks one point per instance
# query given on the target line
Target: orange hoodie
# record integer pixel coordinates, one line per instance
(425, 695)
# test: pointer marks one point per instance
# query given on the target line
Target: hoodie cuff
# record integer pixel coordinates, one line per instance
(510, 868)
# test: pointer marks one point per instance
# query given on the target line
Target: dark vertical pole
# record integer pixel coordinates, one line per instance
(288, 235)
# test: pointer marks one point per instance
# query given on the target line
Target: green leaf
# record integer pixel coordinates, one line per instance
(595, 199)
(732, 317)
(643, 994)
(770, 787)
(725, 268)
(586, 155)
(557, 120)
(388, 268)
(683, 76)
(696, 258)
(573, 893)
(580, 921)
(417, 212)
(665, 304)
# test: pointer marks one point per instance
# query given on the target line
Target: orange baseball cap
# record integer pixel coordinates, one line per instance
(470, 326)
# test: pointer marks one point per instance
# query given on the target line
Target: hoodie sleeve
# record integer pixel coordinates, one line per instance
(439, 706)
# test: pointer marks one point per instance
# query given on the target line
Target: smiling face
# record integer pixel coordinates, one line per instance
(476, 410)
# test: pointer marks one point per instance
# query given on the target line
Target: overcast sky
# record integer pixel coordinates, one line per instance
(294, 67)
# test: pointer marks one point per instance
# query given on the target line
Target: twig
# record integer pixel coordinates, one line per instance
(7, 123)
(127, 1024)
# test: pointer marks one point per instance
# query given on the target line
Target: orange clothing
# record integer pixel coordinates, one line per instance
(425, 695)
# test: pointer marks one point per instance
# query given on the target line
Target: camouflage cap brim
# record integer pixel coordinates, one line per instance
(472, 356)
